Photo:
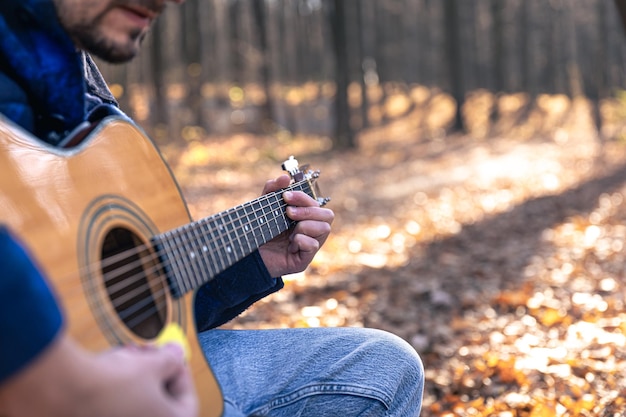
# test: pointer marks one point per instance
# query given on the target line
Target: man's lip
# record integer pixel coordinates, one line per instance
(141, 11)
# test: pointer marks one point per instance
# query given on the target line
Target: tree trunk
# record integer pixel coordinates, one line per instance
(344, 136)
(455, 68)
(260, 20)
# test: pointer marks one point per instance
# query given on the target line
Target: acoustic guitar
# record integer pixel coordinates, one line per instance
(106, 221)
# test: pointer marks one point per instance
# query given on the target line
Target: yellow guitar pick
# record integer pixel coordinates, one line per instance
(173, 333)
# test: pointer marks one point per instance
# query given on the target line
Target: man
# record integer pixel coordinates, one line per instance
(48, 86)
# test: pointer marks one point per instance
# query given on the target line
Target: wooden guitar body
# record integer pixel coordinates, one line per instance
(75, 208)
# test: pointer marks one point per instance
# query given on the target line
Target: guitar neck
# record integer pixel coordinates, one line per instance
(194, 254)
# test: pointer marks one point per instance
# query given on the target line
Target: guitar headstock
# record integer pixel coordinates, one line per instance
(298, 174)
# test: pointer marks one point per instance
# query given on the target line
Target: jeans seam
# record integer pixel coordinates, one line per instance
(325, 389)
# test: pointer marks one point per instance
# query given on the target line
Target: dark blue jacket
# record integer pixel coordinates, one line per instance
(48, 88)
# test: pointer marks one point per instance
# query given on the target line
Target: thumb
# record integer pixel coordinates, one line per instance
(177, 380)
(169, 361)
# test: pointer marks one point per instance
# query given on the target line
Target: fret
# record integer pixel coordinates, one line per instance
(270, 215)
(195, 256)
(207, 247)
(251, 224)
(238, 238)
(181, 240)
(178, 259)
(244, 232)
(184, 257)
(264, 226)
(226, 246)
(287, 222)
(278, 214)
(214, 238)
(171, 264)
(201, 250)
(233, 247)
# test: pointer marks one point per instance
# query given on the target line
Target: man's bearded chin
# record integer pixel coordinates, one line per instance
(112, 52)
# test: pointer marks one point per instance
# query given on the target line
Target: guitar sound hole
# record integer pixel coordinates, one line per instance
(132, 284)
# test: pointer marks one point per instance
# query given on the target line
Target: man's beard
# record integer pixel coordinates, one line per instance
(108, 50)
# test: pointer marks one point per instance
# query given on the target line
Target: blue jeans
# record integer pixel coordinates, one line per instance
(316, 372)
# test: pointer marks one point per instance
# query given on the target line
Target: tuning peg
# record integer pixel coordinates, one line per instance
(323, 201)
(291, 166)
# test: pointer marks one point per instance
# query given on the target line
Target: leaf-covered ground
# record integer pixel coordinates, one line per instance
(500, 260)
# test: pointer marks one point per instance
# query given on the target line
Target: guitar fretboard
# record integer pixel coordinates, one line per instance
(194, 254)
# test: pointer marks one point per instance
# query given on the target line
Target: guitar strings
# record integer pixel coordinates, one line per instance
(155, 255)
(131, 280)
(182, 231)
(179, 232)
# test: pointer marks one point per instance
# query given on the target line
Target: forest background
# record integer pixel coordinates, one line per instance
(474, 153)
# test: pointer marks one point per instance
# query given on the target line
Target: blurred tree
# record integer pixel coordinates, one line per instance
(344, 136)
(455, 62)
(362, 56)
(260, 21)
(209, 48)
(621, 8)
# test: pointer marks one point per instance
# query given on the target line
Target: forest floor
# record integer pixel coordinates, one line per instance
(500, 260)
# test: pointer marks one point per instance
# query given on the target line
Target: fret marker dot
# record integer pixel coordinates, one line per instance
(261, 220)
(192, 255)
(228, 249)
(205, 249)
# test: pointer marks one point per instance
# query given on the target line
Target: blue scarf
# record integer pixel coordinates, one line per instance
(46, 64)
